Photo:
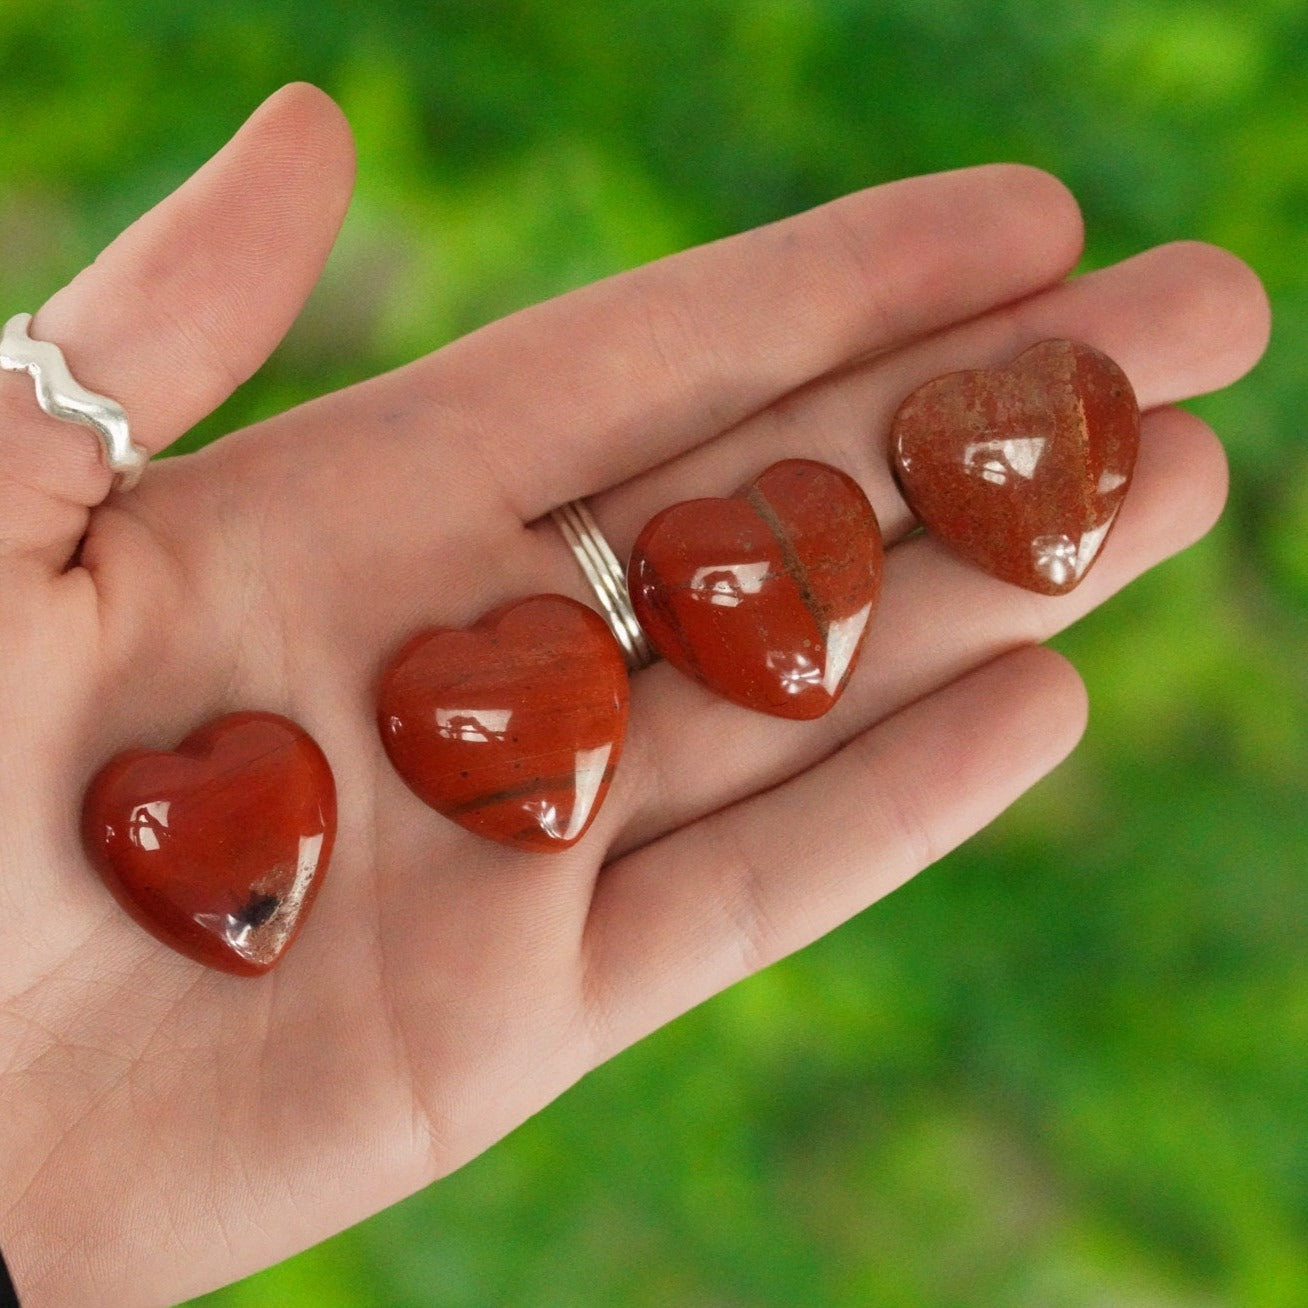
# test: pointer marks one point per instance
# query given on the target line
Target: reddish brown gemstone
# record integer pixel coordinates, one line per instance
(764, 597)
(513, 727)
(219, 848)
(1021, 470)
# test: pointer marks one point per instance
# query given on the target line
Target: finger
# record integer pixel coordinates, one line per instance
(690, 752)
(1181, 320)
(178, 311)
(579, 393)
(689, 915)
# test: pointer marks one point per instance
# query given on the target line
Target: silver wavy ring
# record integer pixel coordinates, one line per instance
(607, 579)
(62, 397)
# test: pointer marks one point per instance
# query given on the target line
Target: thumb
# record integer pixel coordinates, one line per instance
(181, 309)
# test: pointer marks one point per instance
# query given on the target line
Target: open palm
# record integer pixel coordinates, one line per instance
(167, 1128)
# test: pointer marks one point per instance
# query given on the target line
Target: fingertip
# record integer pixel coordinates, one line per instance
(1013, 231)
(1047, 670)
(302, 135)
(267, 209)
(1184, 319)
(306, 115)
(1031, 678)
(1183, 470)
(1049, 213)
(1208, 458)
(1236, 297)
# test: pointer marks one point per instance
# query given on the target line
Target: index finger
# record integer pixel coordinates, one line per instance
(586, 390)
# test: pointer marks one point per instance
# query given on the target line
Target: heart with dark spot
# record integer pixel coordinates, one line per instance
(218, 848)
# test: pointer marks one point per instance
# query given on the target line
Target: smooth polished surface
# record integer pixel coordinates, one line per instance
(218, 848)
(1022, 470)
(764, 597)
(513, 727)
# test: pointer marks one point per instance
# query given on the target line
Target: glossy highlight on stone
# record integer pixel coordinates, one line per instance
(513, 727)
(764, 597)
(1022, 470)
(219, 848)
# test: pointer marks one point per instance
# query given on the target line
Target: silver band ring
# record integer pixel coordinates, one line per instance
(607, 579)
(62, 397)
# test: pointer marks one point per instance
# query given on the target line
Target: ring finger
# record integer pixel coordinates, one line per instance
(1181, 319)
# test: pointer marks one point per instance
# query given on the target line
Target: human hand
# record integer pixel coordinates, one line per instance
(167, 1128)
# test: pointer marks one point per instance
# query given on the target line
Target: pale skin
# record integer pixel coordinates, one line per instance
(167, 1128)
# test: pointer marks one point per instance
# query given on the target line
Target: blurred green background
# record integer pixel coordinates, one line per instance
(1067, 1065)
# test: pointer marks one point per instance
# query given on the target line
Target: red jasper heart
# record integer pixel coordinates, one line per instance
(1022, 470)
(764, 597)
(218, 848)
(511, 728)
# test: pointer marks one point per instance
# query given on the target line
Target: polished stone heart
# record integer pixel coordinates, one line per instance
(764, 597)
(513, 727)
(218, 848)
(1022, 470)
